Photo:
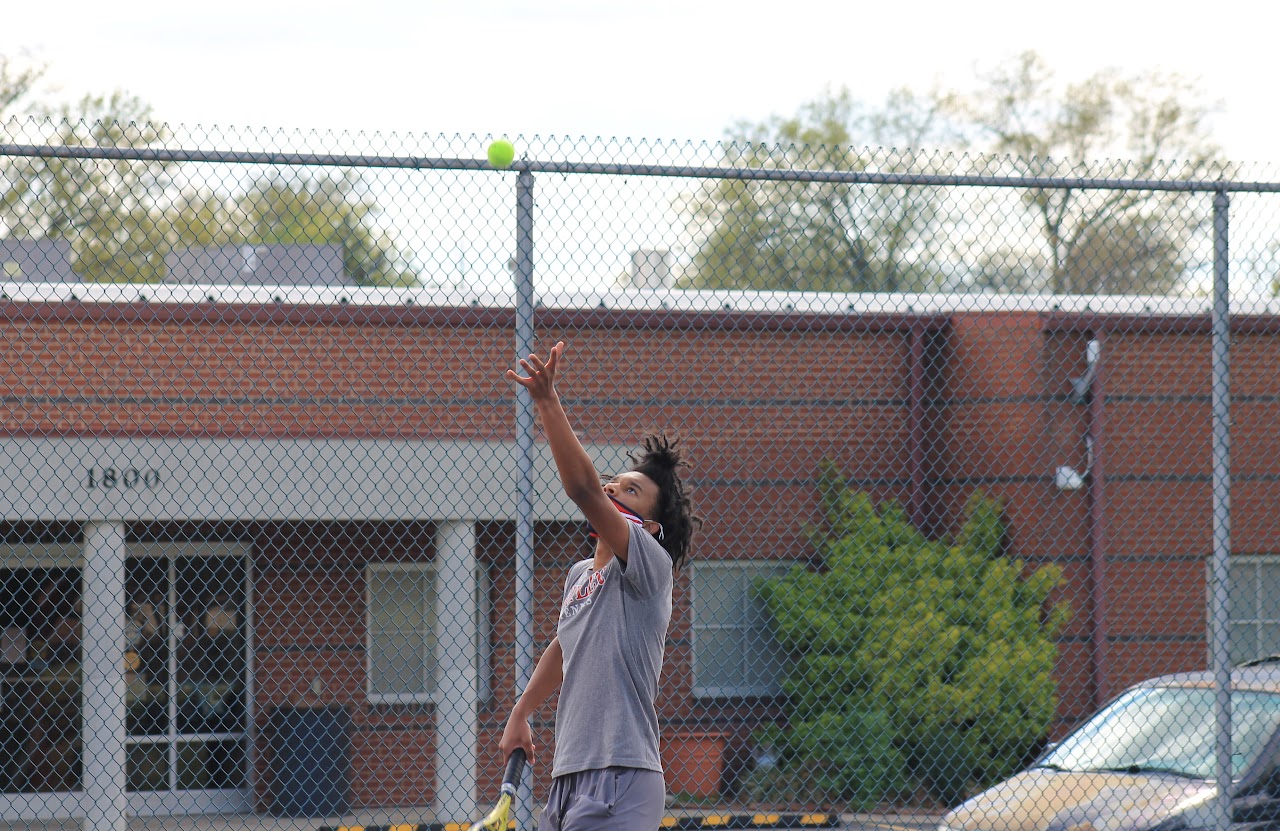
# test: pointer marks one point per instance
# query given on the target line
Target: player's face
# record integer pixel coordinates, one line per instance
(635, 490)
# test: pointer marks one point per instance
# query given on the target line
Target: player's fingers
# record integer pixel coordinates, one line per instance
(536, 369)
(527, 747)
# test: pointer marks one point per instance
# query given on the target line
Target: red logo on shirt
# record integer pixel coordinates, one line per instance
(579, 597)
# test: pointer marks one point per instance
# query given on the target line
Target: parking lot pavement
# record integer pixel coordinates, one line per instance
(800, 821)
(398, 822)
(891, 822)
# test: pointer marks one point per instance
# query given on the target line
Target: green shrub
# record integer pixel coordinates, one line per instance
(847, 758)
(949, 645)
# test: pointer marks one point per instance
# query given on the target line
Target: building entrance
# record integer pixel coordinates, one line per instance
(186, 669)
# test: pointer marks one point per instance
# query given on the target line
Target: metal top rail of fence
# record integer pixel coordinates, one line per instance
(527, 165)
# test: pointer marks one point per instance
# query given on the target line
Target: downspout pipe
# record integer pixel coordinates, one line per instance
(1097, 490)
(915, 423)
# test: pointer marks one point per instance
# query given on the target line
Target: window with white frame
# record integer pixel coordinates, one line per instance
(735, 652)
(402, 625)
(1254, 603)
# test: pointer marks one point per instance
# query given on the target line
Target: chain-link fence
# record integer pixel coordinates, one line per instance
(283, 546)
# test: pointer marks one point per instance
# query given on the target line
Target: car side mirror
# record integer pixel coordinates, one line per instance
(1271, 783)
(1267, 788)
(1048, 748)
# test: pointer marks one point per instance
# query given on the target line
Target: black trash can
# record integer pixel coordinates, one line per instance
(310, 761)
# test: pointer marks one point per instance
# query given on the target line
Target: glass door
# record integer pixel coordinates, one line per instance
(186, 663)
(40, 632)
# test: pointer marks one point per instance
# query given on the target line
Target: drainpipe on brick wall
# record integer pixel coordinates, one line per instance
(1097, 482)
(915, 423)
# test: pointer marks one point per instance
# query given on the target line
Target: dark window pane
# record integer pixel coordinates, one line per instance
(146, 655)
(211, 765)
(210, 644)
(147, 767)
(42, 643)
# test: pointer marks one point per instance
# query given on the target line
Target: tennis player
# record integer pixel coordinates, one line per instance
(607, 654)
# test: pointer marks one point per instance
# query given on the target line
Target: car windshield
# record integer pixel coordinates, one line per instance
(1168, 729)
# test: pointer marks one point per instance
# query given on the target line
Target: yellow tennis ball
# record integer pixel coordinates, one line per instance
(501, 154)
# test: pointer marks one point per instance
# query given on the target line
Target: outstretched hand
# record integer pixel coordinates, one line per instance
(540, 379)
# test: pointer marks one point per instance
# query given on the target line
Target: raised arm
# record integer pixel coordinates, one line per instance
(578, 473)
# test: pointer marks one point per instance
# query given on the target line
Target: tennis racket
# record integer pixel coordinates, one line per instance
(500, 816)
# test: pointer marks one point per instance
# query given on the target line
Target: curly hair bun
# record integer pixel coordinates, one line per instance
(660, 458)
(661, 450)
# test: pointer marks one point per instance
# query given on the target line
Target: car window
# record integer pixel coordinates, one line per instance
(1168, 729)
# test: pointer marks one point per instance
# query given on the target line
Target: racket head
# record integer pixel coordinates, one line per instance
(500, 815)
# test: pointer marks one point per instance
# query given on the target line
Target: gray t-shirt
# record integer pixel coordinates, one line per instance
(613, 628)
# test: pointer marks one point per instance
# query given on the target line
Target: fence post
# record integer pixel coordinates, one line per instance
(524, 444)
(1219, 623)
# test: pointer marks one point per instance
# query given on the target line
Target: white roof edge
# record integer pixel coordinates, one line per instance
(628, 299)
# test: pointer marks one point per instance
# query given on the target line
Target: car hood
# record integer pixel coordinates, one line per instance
(1047, 800)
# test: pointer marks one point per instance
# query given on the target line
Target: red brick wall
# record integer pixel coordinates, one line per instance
(762, 400)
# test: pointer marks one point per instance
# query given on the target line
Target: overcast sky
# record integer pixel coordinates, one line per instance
(657, 70)
(654, 69)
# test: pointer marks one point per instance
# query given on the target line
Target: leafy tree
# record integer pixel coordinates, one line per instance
(17, 80)
(288, 208)
(820, 236)
(1132, 253)
(1126, 254)
(1098, 241)
(101, 207)
(1255, 271)
(846, 757)
(335, 210)
(951, 643)
(834, 237)
(121, 217)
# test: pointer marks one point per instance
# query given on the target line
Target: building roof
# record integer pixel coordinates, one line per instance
(36, 261)
(267, 265)
(764, 302)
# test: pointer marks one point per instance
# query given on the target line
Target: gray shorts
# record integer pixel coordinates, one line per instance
(621, 799)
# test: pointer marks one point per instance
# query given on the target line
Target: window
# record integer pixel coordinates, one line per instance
(403, 621)
(40, 649)
(1254, 604)
(734, 650)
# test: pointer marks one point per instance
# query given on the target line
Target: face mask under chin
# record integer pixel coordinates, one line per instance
(628, 514)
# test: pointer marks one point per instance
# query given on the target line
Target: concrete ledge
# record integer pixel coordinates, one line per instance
(757, 820)
(689, 823)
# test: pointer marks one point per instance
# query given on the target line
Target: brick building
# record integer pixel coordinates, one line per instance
(269, 466)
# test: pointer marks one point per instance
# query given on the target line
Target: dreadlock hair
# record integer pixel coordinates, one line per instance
(660, 458)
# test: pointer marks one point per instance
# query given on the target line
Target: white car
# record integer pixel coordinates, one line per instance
(1146, 762)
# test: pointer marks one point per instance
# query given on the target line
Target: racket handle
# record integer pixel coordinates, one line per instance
(515, 769)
